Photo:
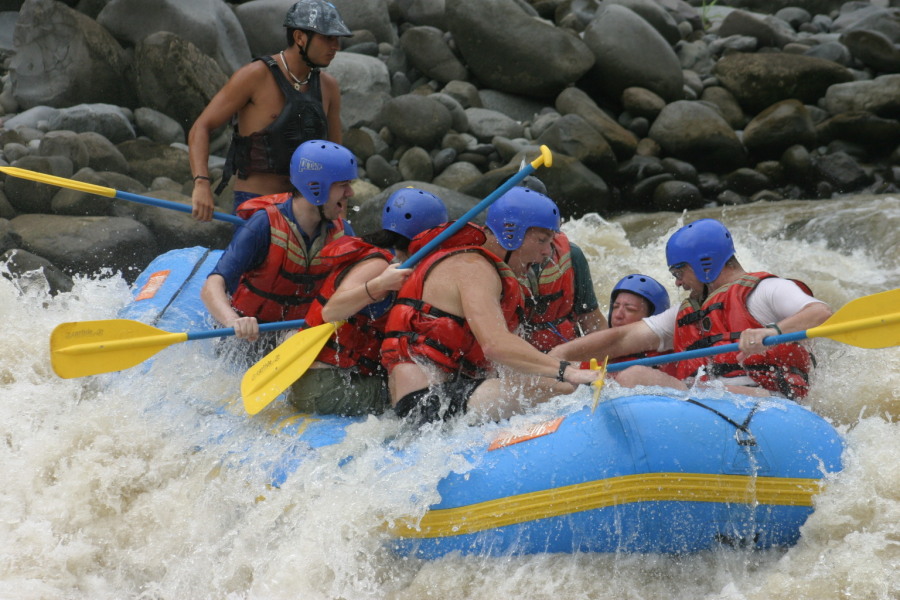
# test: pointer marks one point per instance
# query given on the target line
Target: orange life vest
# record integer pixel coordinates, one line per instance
(550, 299)
(283, 286)
(783, 368)
(416, 329)
(357, 342)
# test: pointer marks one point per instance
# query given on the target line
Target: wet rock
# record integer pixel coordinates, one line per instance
(841, 172)
(693, 131)
(678, 196)
(430, 54)
(28, 269)
(778, 127)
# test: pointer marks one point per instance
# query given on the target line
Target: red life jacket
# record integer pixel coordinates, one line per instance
(357, 342)
(283, 286)
(416, 329)
(720, 320)
(550, 299)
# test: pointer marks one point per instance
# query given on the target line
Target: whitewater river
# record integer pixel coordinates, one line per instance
(135, 486)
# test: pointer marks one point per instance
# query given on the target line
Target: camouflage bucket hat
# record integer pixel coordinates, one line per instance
(316, 15)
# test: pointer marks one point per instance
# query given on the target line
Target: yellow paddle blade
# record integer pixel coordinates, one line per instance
(868, 322)
(277, 370)
(81, 186)
(598, 383)
(92, 347)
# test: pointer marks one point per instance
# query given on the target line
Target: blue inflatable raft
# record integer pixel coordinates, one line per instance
(641, 473)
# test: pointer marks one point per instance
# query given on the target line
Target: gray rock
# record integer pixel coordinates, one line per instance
(381, 172)
(630, 53)
(67, 144)
(497, 55)
(442, 159)
(861, 128)
(430, 54)
(760, 80)
(459, 121)
(867, 16)
(726, 104)
(695, 132)
(573, 136)
(746, 181)
(642, 102)
(157, 126)
(365, 88)
(112, 122)
(416, 164)
(417, 120)
(28, 196)
(484, 124)
(147, 159)
(78, 203)
(163, 63)
(64, 58)
(8, 238)
(779, 127)
(833, 51)
(463, 92)
(87, 244)
(102, 154)
(574, 100)
(171, 228)
(457, 175)
(37, 117)
(677, 196)
(841, 171)
(873, 49)
(797, 163)
(518, 108)
(28, 269)
(424, 12)
(654, 13)
(210, 25)
(879, 96)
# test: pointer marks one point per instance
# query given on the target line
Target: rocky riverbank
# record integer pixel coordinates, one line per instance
(646, 104)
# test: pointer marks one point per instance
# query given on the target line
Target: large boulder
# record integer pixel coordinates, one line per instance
(164, 62)
(87, 244)
(760, 80)
(629, 52)
(64, 58)
(697, 133)
(365, 87)
(210, 25)
(524, 56)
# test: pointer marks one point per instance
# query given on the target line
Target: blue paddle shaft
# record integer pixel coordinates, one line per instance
(463, 220)
(711, 351)
(174, 206)
(214, 333)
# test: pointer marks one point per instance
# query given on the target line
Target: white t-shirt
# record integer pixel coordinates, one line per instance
(773, 299)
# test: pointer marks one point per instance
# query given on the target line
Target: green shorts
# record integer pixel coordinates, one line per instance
(333, 391)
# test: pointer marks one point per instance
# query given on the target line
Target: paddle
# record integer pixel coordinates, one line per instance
(867, 322)
(99, 190)
(92, 347)
(268, 379)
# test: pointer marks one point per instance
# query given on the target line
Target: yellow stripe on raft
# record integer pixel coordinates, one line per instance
(655, 487)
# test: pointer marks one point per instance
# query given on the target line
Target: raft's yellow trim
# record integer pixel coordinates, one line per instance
(654, 487)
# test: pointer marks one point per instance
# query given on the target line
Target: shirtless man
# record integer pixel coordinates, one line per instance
(278, 102)
(452, 327)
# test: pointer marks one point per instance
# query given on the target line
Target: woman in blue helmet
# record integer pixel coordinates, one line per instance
(347, 377)
(636, 297)
(453, 323)
(272, 269)
(726, 304)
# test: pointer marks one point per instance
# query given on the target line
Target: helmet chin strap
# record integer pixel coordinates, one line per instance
(309, 63)
(507, 257)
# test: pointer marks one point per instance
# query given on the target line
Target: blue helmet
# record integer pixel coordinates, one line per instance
(516, 211)
(644, 286)
(316, 165)
(410, 211)
(705, 245)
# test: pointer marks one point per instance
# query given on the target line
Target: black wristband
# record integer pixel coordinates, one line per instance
(207, 178)
(366, 285)
(561, 376)
(775, 327)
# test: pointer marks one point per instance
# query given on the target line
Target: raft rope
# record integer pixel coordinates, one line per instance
(749, 439)
(197, 266)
